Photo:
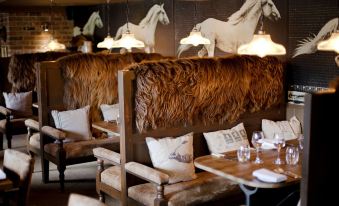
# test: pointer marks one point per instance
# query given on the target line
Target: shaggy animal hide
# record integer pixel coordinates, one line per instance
(91, 79)
(22, 70)
(176, 92)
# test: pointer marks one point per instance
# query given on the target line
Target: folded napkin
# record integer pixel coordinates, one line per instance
(267, 144)
(2, 175)
(268, 175)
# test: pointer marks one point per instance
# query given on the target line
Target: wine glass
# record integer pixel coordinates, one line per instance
(257, 137)
(279, 142)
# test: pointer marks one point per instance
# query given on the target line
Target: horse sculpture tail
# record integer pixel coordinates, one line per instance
(309, 44)
(185, 47)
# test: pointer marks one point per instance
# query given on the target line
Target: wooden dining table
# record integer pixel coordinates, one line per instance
(229, 167)
(108, 127)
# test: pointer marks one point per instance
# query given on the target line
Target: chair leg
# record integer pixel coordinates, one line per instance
(45, 170)
(1, 141)
(102, 197)
(61, 169)
(9, 140)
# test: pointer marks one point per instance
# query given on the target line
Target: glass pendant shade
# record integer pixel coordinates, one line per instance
(262, 45)
(331, 44)
(108, 43)
(129, 41)
(55, 45)
(195, 38)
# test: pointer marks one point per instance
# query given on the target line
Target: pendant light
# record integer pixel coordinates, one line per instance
(128, 39)
(331, 44)
(108, 42)
(262, 44)
(195, 38)
(53, 44)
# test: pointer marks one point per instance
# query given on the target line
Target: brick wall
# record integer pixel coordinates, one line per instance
(24, 32)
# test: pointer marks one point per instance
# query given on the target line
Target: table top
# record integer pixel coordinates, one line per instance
(5, 184)
(230, 168)
(109, 127)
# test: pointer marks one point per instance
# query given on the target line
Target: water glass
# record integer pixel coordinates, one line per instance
(292, 155)
(257, 138)
(279, 143)
(244, 153)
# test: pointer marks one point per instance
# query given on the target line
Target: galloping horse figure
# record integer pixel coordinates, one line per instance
(88, 30)
(238, 30)
(146, 29)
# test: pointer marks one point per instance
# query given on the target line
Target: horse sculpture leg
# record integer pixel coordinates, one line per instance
(202, 52)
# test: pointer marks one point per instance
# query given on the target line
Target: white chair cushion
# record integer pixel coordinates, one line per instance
(74, 122)
(19, 103)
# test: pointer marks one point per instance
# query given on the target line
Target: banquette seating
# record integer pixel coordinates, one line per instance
(171, 98)
(18, 75)
(71, 83)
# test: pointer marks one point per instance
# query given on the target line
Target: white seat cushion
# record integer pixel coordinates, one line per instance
(111, 176)
(206, 187)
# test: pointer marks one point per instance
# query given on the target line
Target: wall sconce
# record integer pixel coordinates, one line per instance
(45, 27)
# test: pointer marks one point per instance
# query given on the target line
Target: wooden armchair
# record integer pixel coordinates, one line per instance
(174, 110)
(18, 75)
(73, 82)
(82, 200)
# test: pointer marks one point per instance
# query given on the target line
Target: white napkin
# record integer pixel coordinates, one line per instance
(267, 144)
(268, 175)
(2, 175)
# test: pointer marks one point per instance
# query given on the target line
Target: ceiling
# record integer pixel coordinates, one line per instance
(57, 2)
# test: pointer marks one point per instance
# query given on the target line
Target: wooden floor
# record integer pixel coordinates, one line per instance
(79, 179)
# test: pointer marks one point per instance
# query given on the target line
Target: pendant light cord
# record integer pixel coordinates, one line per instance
(107, 16)
(127, 14)
(195, 14)
(261, 29)
(51, 17)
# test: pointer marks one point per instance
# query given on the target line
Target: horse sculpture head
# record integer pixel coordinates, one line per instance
(270, 11)
(163, 18)
(97, 19)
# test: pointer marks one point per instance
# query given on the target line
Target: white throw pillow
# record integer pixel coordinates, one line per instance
(173, 156)
(288, 129)
(74, 122)
(110, 112)
(19, 103)
(226, 140)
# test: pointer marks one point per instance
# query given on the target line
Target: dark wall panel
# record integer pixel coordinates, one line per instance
(306, 19)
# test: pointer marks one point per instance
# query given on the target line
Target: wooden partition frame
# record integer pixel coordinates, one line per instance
(132, 143)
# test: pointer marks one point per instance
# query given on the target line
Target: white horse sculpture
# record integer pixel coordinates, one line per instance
(146, 29)
(309, 44)
(239, 29)
(88, 30)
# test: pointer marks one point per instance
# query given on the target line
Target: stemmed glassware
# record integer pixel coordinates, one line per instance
(279, 142)
(257, 137)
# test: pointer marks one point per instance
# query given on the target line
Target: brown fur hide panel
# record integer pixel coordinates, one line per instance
(22, 70)
(91, 79)
(175, 92)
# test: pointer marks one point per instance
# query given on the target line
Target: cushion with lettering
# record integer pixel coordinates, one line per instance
(75, 123)
(19, 103)
(173, 156)
(288, 129)
(226, 140)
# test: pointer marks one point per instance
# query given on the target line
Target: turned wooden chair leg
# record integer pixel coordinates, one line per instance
(1, 141)
(45, 170)
(61, 169)
(9, 139)
(160, 200)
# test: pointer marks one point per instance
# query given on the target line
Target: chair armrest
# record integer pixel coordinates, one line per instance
(147, 173)
(5, 111)
(107, 155)
(54, 133)
(33, 124)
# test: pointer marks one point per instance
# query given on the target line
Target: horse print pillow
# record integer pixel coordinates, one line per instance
(173, 156)
(226, 140)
